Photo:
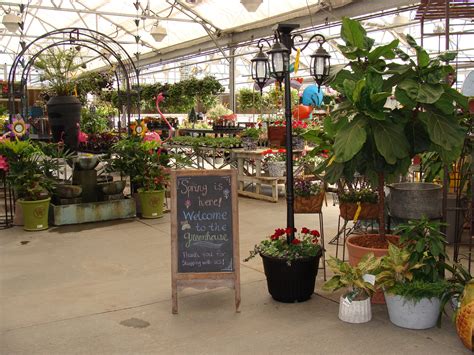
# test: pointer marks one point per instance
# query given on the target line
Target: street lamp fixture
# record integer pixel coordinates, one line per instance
(260, 68)
(279, 64)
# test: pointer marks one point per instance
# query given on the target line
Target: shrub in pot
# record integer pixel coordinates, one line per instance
(28, 177)
(411, 275)
(290, 264)
(146, 164)
(376, 141)
(59, 68)
(354, 304)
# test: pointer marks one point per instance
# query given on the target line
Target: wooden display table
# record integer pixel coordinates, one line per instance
(252, 174)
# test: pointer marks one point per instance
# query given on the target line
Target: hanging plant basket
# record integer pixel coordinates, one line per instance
(368, 210)
(309, 204)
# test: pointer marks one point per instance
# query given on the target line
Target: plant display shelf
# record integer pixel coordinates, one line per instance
(202, 157)
(232, 131)
(249, 174)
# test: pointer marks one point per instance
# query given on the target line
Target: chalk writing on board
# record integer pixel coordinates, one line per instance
(204, 212)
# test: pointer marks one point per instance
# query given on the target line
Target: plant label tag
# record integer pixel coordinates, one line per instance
(369, 278)
(346, 301)
(39, 226)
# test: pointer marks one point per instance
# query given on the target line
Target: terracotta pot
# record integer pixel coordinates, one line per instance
(356, 253)
(276, 136)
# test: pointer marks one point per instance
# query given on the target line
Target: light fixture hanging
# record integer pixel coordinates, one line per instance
(251, 5)
(158, 32)
(11, 22)
(320, 64)
(279, 60)
(260, 69)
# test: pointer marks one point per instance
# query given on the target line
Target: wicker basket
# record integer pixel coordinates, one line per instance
(368, 211)
(310, 204)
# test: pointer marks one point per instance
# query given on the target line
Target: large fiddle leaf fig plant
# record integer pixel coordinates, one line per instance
(378, 141)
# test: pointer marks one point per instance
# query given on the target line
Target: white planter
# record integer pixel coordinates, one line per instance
(276, 168)
(356, 311)
(408, 314)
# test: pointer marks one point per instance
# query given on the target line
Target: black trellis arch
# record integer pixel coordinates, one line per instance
(83, 37)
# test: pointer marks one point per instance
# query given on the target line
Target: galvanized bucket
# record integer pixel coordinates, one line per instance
(413, 200)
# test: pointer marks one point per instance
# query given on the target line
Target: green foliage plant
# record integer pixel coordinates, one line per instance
(379, 142)
(144, 162)
(26, 172)
(425, 242)
(400, 276)
(352, 277)
(59, 68)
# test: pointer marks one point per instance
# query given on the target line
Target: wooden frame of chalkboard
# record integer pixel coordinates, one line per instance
(204, 231)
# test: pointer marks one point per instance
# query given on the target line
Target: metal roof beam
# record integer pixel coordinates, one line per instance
(98, 12)
(203, 44)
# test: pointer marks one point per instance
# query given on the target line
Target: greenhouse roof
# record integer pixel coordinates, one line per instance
(200, 33)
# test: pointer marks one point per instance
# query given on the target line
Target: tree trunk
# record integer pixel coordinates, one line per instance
(381, 194)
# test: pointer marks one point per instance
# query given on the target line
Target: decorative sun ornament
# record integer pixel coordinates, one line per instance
(139, 128)
(18, 127)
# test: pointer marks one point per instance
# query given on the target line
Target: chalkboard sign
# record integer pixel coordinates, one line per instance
(204, 213)
(204, 230)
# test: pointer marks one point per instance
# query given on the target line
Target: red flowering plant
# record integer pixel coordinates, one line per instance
(304, 244)
(274, 155)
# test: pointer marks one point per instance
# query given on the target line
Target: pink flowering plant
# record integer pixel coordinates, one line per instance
(305, 244)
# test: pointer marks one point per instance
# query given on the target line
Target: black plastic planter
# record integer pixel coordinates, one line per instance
(293, 283)
(64, 115)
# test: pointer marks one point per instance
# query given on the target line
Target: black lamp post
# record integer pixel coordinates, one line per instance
(280, 63)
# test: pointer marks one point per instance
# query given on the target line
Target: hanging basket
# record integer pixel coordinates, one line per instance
(368, 211)
(309, 204)
(276, 168)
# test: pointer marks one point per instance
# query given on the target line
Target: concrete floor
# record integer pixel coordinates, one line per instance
(104, 288)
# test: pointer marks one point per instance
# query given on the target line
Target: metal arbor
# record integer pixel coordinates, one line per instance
(105, 46)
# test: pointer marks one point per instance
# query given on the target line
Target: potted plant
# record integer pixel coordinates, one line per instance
(60, 69)
(290, 267)
(358, 204)
(411, 275)
(299, 129)
(309, 196)
(276, 132)
(31, 185)
(354, 304)
(250, 137)
(274, 161)
(378, 142)
(145, 163)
